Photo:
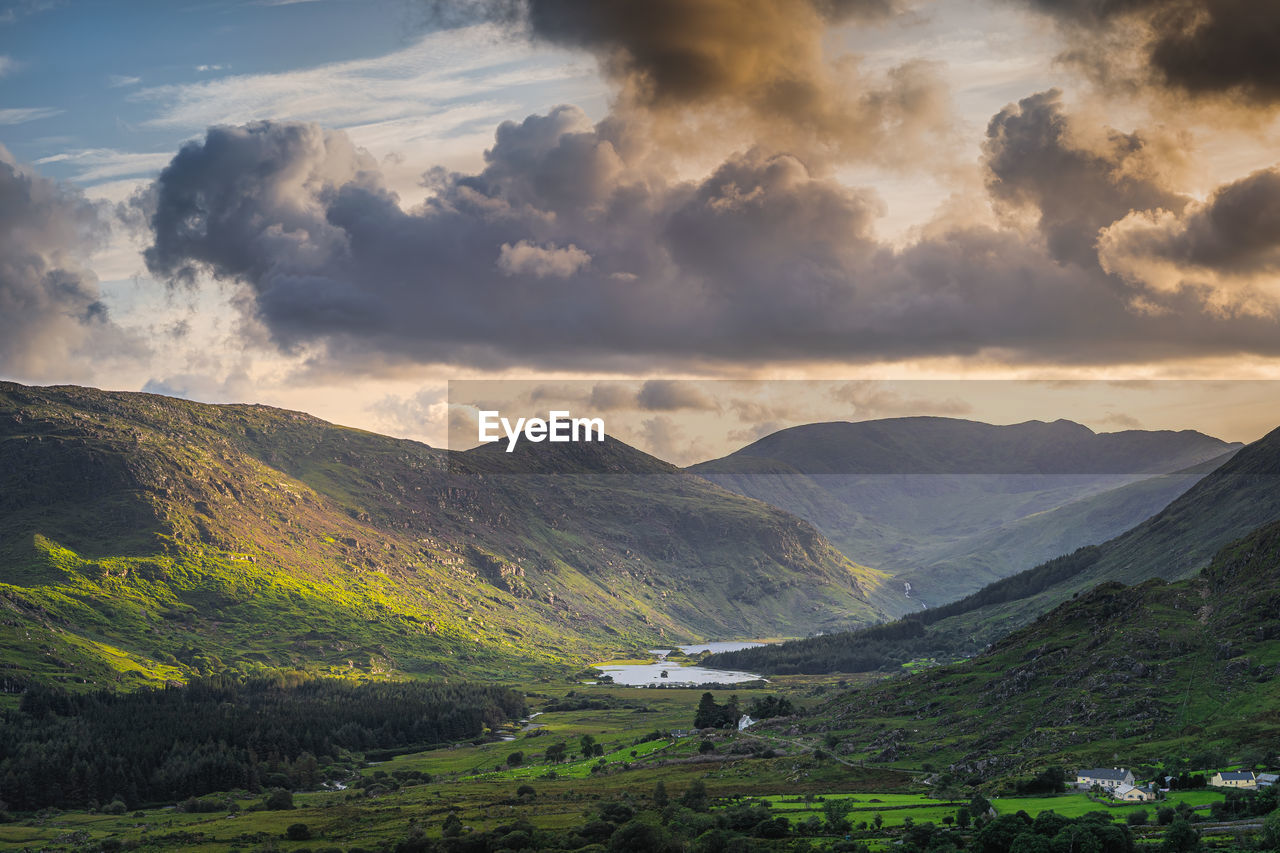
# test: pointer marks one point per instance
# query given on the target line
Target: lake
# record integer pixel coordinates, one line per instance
(644, 674)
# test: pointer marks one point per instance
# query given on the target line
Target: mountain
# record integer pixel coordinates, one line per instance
(946, 506)
(1233, 499)
(1120, 674)
(145, 538)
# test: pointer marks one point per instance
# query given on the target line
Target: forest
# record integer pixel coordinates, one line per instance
(218, 734)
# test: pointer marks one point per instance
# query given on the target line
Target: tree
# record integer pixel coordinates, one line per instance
(526, 792)
(555, 753)
(835, 812)
(1136, 818)
(660, 798)
(515, 759)
(706, 746)
(963, 817)
(452, 825)
(695, 797)
(1271, 831)
(636, 836)
(278, 799)
(1031, 842)
(587, 744)
(1180, 837)
(709, 714)
(998, 835)
(298, 832)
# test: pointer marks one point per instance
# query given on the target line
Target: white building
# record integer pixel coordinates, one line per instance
(1104, 777)
(1130, 794)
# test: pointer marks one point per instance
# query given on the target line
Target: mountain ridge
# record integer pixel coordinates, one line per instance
(948, 505)
(144, 537)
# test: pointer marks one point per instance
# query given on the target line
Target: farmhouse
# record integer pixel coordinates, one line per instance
(1104, 777)
(1234, 779)
(1130, 794)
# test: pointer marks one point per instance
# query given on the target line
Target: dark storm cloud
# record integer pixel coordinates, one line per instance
(1197, 47)
(759, 261)
(51, 311)
(1237, 231)
(681, 51)
(668, 395)
(756, 66)
(1034, 161)
(1230, 242)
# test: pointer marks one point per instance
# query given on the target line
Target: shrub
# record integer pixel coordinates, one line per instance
(298, 832)
(278, 800)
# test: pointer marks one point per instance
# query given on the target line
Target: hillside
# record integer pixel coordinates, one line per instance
(145, 538)
(1119, 674)
(1232, 500)
(946, 506)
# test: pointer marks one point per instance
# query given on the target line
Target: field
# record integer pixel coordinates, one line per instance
(792, 776)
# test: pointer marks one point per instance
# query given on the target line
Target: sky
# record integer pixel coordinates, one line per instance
(340, 207)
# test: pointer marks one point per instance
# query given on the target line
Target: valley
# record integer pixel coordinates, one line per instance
(494, 650)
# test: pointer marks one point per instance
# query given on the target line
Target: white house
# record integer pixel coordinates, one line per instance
(744, 721)
(1130, 794)
(1234, 779)
(1104, 777)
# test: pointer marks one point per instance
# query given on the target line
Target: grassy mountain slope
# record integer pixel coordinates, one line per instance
(1119, 674)
(950, 505)
(1229, 502)
(143, 538)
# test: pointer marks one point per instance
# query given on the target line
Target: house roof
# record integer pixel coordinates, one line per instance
(1237, 776)
(1268, 777)
(1116, 774)
(1123, 789)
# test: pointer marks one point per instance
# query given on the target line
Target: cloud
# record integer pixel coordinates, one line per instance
(870, 399)
(99, 164)
(1120, 420)
(666, 395)
(204, 69)
(51, 309)
(1036, 159)
(120, 81)
(1197, 48)
(452, 76)
(416, 415)
(1230, 243)
(8, 65)
(524, 258)
(755, 68)
(22, 115)
(761, 260)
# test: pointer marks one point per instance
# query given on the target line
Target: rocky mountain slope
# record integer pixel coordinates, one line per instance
(144, 538)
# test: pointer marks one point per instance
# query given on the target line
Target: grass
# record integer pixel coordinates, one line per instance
(138, 527)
